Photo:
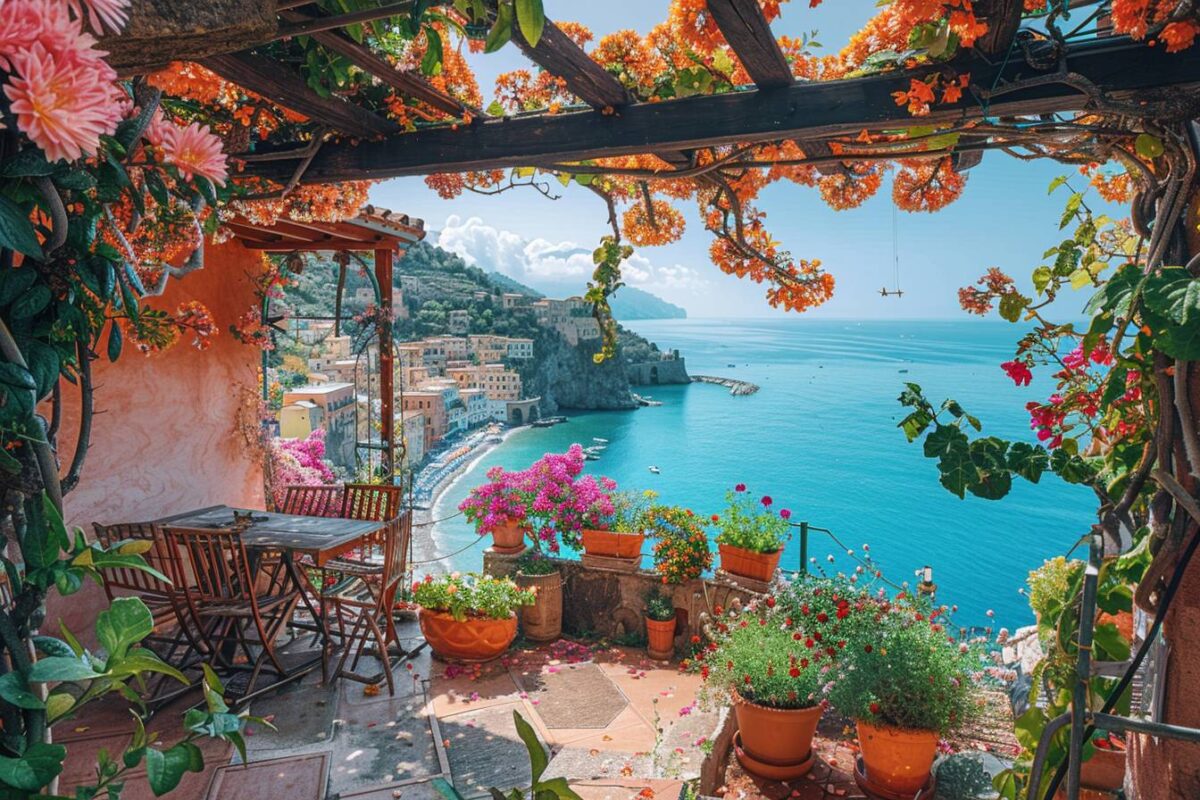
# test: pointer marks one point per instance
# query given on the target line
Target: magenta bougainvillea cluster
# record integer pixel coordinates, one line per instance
(299, 462)
(550, 497)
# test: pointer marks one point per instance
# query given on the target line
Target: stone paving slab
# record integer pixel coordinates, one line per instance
(573, 695)
(290, 778)
(485, 750)
(382, 742)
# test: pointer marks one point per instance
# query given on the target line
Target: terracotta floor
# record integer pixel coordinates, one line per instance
(616, 724)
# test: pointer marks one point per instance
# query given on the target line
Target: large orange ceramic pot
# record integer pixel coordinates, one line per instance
(897, 761)
(474, 639)
(612, 544)
(775, 741)
(660, 635)
(747, 563)
(509, 537)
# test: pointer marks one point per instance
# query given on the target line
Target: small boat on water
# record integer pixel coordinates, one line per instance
(599, 440)
(655, 470)
(547, 422)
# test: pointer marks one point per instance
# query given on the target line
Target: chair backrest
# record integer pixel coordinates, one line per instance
(215, 561)
(313, 501)
(129, 578)
(396, 544)
(373, 502)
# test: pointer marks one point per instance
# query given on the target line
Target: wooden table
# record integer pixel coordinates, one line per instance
(319, 538)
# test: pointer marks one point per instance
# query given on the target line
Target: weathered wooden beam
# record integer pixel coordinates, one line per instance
(345, 20)
(278, 84)
(1003, 20)
(587, 80)
(749, 34)
(803, 111)
(402, 81)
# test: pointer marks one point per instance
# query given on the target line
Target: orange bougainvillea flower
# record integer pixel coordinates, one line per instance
(927, 185)
(665, 226)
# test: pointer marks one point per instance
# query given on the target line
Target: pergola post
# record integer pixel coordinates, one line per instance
(387, 394)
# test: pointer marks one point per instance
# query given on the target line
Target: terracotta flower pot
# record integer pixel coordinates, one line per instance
(509, 537)
(778, 737)
(1105, 770)
(897, 761)
(472, 640)
(542, 621)
(749, 564)
(612, 544)
(661, 638)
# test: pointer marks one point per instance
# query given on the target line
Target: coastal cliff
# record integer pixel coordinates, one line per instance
(565, 377)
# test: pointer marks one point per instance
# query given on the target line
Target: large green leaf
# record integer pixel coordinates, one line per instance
(1071, 467)
(39, 765)
(501, 31)
(942, 439)
(1175, 294)
(165, 768)
(956, 468)
(1028, 461)
(1112, 646)
(60, 668)
(13, 689)
(16, 231)
(43, 364)
(32, 302)
(537, 754)
(532, 19)
(125, 622)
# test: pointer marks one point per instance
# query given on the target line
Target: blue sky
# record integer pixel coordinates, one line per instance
(1003, 219)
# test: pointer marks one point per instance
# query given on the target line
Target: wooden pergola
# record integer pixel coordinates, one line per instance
(383, 233)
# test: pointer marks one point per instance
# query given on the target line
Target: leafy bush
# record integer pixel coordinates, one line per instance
(632, 511)
(681, 550)
(1050, 585)
(903, 671)
(471, 595)
(533, 562)
(659, 606)
(752, 525)
(766, 662)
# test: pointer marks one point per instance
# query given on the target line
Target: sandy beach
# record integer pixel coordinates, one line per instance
(429, 555)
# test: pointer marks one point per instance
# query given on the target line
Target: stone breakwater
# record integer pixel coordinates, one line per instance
(736, 387)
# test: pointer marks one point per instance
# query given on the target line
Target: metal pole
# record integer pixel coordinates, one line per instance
(803, 548)
(1083, 666)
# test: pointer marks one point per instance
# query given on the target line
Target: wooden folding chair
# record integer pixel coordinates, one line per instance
(222, 600)
(165, 600)
(375, 503)
(313, 501)
(366, 606)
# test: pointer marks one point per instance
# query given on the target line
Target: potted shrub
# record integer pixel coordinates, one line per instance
(541, 620)
(469, 617)
(500, 507)
(751, 535)
(906, 684)
(622, 534)
(681, 550)
(660, 625)
(773, 673)
(1104, 770)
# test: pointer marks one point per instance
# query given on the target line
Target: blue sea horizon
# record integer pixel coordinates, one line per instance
(820, 437)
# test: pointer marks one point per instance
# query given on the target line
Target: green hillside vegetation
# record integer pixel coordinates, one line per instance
(631, 303)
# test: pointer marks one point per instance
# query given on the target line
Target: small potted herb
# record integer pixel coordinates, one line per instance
(660, 625)
(542, 620)
(469, 617)
(751, 535)
(906, 684)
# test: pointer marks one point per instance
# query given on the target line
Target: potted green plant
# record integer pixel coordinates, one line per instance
(471, 617)
(751, 535)
(660, 625)
(773, 673)
(621, 534)
(542, 620)
(906, 685)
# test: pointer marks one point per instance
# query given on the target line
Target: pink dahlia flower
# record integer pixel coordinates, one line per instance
(195, 150)
(101, 14)
(62, 108)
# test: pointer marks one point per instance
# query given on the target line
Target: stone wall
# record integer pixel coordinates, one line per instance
(610, 603)
(658, 373)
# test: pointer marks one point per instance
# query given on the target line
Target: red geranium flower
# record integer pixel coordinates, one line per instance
(1018, 371)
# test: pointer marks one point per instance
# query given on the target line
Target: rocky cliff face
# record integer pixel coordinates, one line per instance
(565, 377)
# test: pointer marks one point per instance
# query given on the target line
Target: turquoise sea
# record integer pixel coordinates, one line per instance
(821, 438)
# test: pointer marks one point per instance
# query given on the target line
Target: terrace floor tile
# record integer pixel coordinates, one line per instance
(291, 778)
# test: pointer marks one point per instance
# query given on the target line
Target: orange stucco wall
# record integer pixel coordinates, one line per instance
(165, 436)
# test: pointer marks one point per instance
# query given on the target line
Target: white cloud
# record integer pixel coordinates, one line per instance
(540, 262)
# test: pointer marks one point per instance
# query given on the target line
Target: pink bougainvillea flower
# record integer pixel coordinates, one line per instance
(195, 150)
(61, 106)
(101, 14)
(1018, 371)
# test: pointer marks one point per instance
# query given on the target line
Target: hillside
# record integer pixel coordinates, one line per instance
(630, 303)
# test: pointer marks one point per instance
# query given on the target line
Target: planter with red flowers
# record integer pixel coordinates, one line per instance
(615, 538)
(906, 685)
(751, 536)
(469, 618)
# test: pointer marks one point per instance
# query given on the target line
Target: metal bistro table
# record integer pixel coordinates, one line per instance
(320, 538)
